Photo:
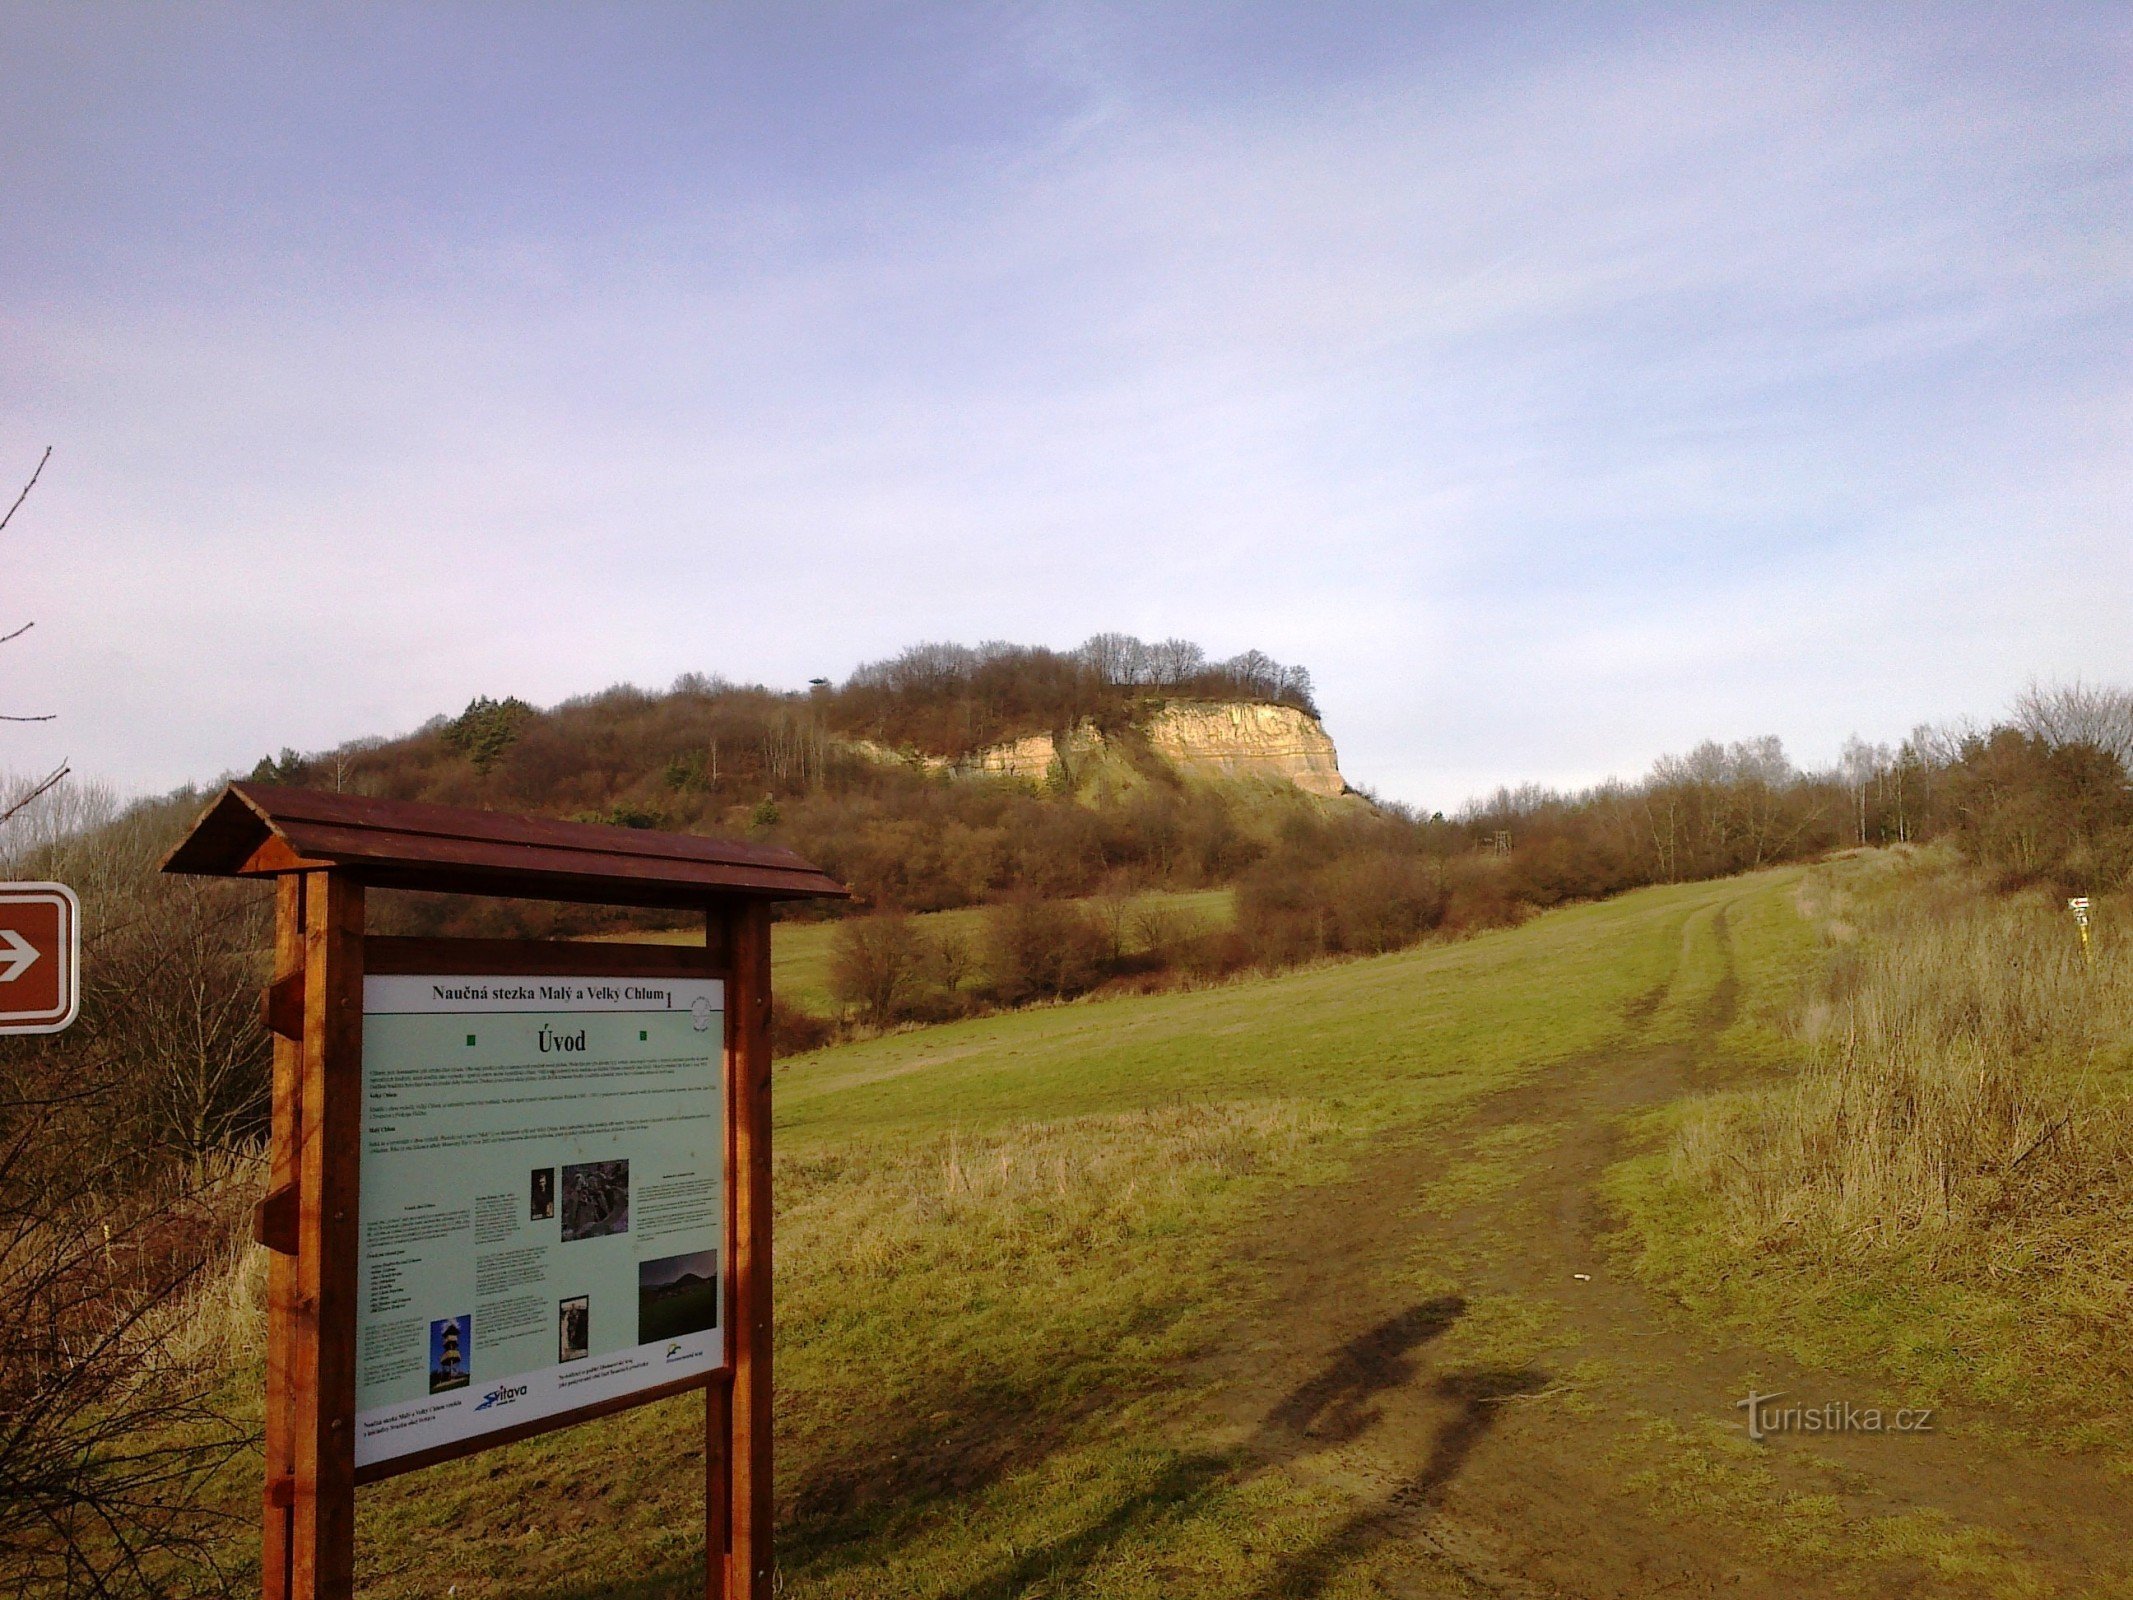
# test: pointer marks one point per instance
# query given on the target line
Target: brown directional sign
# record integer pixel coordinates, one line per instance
(40, 957)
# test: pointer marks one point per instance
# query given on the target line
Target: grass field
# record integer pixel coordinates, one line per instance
(1294, 1286)
(1000, 1242)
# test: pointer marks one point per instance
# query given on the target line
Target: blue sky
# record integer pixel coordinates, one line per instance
(1561, 386)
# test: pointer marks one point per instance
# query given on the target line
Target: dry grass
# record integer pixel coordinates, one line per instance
(1968, 1074)
(128, 1315)
(217, 1323)
(954, 1305)
(1007, 1195)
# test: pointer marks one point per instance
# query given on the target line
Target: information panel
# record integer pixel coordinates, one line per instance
(542, 1200)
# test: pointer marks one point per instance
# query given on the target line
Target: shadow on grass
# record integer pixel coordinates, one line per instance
(1479, 1396)
(902, 1476)
(1331, 1407)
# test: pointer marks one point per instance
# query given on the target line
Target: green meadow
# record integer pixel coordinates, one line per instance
(1007, 1253)
(1324, 1283)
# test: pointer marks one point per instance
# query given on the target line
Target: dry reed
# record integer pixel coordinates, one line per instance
(1966, 1086)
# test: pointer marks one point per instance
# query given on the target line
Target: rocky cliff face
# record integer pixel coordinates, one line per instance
(1233, 740)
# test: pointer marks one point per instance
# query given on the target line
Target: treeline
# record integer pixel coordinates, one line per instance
(2039, 797)
(950, 700)
(2039, 800)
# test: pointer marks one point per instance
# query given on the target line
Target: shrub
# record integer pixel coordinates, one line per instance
(794, 1030)
(878, 965)
(1362, 903)
(1043, 949)
(2031, 811)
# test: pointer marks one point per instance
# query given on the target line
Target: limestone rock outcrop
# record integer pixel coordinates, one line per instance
(1248, 739)
(1230, 740)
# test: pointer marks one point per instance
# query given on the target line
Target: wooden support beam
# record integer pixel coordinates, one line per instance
(322, 1555)
(277, 1530)
(277, 1219)
(284, 1007)
(718, 1487)
(747, 932)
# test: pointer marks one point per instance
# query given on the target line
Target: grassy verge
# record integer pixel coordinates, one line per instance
(1936, 1183)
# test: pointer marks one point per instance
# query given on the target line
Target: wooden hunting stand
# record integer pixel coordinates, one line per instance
(323, 852)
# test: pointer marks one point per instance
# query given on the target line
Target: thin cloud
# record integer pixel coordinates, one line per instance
(1695, 381)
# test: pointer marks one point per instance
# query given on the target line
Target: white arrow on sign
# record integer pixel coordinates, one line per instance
(21, 955)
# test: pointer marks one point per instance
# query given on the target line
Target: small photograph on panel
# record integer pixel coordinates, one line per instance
(543, 1194)
(450, 1339)
(573, 1328)
(596, 1199)
(677, 1295)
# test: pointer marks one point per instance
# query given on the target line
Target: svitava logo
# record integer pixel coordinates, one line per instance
(502, 1395)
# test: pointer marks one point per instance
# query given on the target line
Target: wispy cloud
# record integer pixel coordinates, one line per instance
(1557, 402)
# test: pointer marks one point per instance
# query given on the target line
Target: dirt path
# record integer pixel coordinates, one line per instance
(1449, 1354)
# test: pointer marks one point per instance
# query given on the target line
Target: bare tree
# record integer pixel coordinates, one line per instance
(877, 964)
(2079, 713)
(110, 1430)
(17, 802)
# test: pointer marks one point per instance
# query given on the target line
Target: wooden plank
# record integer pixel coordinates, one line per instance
(322, 1559)
(749, 1245)
(274, 856)
(375, 849)
(283, 806)
(718, 1485)
(284, 1007)
(458, 1449)
(387, 954)
(275, 1220)
(594, 890)
(277, 1526)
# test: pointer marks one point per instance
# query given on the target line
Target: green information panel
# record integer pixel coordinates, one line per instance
(542, 1200)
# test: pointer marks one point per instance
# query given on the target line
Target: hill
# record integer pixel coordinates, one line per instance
(945, 776)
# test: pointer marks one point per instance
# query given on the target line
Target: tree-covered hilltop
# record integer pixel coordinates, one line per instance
(874, 779)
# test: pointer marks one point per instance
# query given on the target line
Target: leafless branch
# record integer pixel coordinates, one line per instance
(48, 784)
(26, 488)
(6, 638)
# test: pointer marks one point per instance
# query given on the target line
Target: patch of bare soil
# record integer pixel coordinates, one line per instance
(1616, 1462)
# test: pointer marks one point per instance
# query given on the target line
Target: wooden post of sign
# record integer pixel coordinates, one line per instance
(747, 942)
(276, 1231)
(321, 1357)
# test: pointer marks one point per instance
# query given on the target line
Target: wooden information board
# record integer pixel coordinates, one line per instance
(515, 1184)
